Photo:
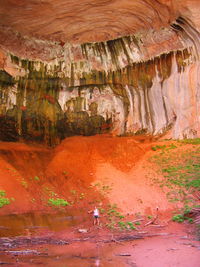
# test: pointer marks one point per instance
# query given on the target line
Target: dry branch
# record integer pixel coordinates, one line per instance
(154, 219)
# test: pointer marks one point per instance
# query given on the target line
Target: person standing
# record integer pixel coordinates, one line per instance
(95, 215)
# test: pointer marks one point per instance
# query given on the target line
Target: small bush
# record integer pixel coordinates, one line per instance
(190, 220)
(154, 148)
(2, 193)
(36, 178)
(3, 200)
(178, 218)
(58, 202)
(24, 184)
(193, 183)
(102, 210)
(172, 146)
(137, 223)
(111, 211)
(122, 225)
(181, 218)
(131, 226)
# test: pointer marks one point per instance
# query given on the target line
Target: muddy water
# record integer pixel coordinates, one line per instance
(67, 256)
(30, 240)
(34, 223)
(160, 251)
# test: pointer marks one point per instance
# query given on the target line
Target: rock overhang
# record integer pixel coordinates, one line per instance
(85, 21)
(80, 81)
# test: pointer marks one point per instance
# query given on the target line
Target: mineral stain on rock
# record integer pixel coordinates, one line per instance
(44, 106)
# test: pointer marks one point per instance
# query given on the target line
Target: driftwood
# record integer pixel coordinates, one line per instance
(25, 252)
(114, 240)
(158, 234)
(197, 195)
(159, 225)
(123, 254)
(154, 219)
(25, 241)
(81, 239)
(9, 243)
(196, 213)
(123, 238)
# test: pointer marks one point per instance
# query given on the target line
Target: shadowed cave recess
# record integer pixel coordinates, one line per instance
(118, 67)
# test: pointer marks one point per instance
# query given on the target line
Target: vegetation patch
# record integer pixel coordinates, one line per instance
(163, 147)
(117, 221)
(195, 141)
(181, 218)
(36, 178)
(24, 184)
(181, 171)
(3, 200)
(58, 202)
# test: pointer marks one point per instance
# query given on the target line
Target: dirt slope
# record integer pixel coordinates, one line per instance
(117, 168)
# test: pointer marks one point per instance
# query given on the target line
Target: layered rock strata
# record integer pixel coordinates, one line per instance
(130, 85)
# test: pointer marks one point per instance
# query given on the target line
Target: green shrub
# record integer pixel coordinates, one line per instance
(3, 200)
(122, 225)
(2, 193)
(172, 146)
(58, 202)
(187, 209)
(120, 216)
(102, 210)
(36, 178)
(24, 184)
(131, 226)
(154, 148)
(111, 211)
(181, 218)
(164, 147)
(137, 223)
(190, 220)
(178, 218)
(193, 183)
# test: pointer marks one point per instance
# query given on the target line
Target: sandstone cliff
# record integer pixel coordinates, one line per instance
(146, 82)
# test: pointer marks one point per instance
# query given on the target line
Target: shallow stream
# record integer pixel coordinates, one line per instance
(54, 240)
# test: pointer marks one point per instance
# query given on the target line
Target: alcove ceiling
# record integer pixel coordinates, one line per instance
(84, 21)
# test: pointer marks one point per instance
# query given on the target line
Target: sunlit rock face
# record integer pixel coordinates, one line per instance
(58, 84)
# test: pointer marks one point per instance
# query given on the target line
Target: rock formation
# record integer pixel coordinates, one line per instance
(124, 67)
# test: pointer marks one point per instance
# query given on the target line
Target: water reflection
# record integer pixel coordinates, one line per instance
(97, 262)
(29, 223)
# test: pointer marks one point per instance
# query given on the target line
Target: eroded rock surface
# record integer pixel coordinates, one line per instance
(139, 74)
